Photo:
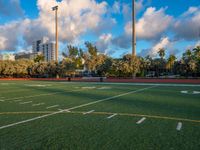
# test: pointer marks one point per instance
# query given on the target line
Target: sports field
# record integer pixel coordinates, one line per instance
(105, 116)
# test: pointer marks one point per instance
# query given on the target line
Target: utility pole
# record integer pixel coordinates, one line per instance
(133, 30)
(55, 8)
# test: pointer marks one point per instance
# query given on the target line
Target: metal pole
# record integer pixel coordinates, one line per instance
(133, 30)
(56, 30)
(133, 37)
(57, 35)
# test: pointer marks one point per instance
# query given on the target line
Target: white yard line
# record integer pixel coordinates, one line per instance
(109, 117)
(179, 126)
(39, 104)
(79, 106)
(64, 110)
(22, 103)
(88, 112)
(141, 120)
(52, 106)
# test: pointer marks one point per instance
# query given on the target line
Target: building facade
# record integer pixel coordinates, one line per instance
(45, 47)
(30, 56)
(7, 57)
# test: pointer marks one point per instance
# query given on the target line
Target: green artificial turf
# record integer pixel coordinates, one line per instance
(164, 106)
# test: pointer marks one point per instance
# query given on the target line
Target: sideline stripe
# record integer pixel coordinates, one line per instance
(109, 117)
(88, 112)
(22, 103)
(52, 106)
(79, 106)
(141, 120)
(179, 126)
(103, 113)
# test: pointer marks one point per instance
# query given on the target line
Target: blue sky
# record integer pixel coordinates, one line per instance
(169, 24)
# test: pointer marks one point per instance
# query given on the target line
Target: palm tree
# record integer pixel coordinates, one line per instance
(170, 62)
(161, 53)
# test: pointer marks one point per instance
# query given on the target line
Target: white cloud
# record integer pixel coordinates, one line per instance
(8, 35)
(116, 8)
(104, 42)
(165, 43)
(187, 26)
(152, 24)
(76, 17)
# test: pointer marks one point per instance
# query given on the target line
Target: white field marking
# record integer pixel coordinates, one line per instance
(79, 106)
(144, 84)
(52, 106)
(184, 92)
(141, 120)
(37, 85)
(104, 88)
(6, 83)
(179, 126)
(196, 92)
(64, 110)
(109, 117)
(46, 94)
(17, 100)
(89, 87)
(88, 112)
(22, 103)
(39, 104)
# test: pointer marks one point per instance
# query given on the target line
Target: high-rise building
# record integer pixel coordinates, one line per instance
(48, 50)
(45, 47)
(36, 44)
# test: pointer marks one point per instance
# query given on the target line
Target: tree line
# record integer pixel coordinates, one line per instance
(90, 62)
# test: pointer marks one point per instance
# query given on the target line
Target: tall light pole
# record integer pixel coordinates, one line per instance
(133, 29)
(55, 8)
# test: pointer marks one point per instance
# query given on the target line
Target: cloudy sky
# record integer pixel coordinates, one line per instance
(170, 24)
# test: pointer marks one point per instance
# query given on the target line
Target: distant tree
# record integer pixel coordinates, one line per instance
(39, 58)
(161, 53)
(170, 62)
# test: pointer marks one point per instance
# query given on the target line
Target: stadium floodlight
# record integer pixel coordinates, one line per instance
(55, 8)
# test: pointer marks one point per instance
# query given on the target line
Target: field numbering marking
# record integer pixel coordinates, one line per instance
(88, 112)
(111, 116)
(141, 120)
(52, 106)
(22, 103)
(179, 126)
(79, 106)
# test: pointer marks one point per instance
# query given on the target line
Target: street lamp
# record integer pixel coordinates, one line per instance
(55, 8)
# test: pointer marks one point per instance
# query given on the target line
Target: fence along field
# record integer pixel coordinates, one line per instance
(98, 115)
